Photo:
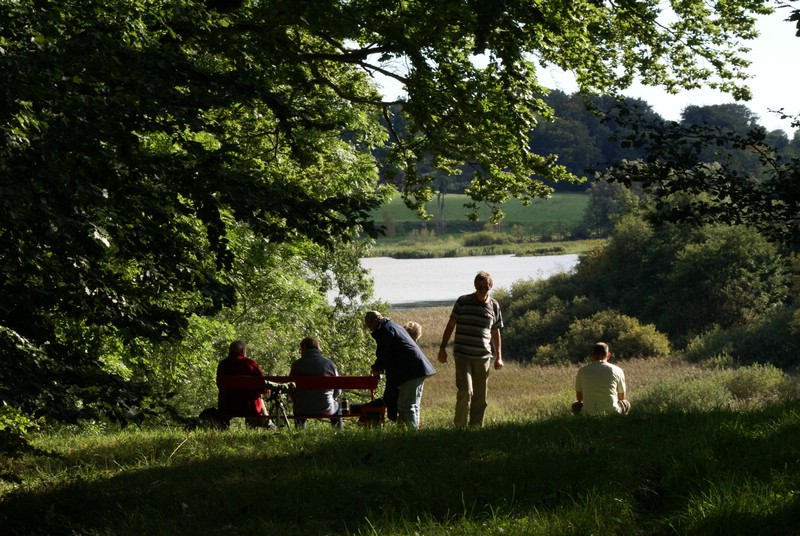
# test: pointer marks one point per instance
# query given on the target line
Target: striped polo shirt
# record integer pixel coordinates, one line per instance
(475, 321)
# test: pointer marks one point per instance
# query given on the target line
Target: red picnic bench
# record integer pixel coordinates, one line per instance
(275, 404)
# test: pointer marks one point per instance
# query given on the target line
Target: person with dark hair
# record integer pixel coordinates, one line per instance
(240, 402)
(406, 367)
(600, 386)
(477, 321)
(315, 401)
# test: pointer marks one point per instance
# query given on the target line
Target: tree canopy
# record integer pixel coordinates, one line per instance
(716, 172)
(135, 134)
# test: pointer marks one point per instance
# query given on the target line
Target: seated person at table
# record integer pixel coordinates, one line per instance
(245, 403)
(314, 401)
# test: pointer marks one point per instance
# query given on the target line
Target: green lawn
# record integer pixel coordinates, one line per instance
(543, 228)
(704, 451)
(555, 215)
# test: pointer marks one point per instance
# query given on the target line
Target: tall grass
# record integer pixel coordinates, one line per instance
(522, 392)
(453, 246)
(704, 451)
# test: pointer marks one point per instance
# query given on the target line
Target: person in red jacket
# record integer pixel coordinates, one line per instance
(240, 403)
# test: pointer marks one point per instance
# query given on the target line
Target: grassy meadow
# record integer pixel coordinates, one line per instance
(542, 228)
(704, 451)
(562, 209)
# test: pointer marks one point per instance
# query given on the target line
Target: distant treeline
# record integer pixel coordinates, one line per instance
(590, 134)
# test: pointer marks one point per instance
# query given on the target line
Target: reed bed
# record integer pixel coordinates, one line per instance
(522, 392)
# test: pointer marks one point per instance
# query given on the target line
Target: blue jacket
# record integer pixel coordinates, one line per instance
(398, 355)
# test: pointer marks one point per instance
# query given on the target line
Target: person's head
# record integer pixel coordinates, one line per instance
(600, 352)
(413, 329)
(309, 343)
(483, 284)
(371, 320)
(237, 347)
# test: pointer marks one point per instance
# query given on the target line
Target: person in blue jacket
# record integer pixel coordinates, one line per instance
(406, 367)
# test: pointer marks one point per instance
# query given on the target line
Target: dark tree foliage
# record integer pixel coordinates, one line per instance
(588, 133)
(719, 190)
(732, 169)
(681, 279)
(130, 134)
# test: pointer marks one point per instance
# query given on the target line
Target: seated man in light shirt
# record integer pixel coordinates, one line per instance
(315, 401)
(600, 386)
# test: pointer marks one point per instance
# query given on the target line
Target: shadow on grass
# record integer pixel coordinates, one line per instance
(714, 473)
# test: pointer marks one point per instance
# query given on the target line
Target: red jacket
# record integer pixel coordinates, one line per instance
(240, 403)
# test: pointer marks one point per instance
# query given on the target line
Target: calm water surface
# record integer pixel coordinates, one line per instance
(407, 282)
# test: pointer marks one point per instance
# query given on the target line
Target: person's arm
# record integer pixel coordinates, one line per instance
(497, 344)
(381, 357)
(256, 370)
(448, 331)
(336, 392)
(621, 386)
(377, 367)
(577, 406)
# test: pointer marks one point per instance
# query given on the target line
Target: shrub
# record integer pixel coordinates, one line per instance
(642, 341)
(419, 236)
(550, 250)
(15, 430)
(713, 344)
(726, 275)
(749, 387)
(486, 238)
(680, 278)
(545, 324)
(539, 312)
(683, 395)
(625, 335)
(685, 278)
(549, 354)
(755, 384)
(770, 340)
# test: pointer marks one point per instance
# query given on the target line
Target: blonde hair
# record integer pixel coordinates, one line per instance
(413, 329)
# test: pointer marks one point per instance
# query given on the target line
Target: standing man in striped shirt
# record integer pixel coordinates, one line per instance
(477, 321)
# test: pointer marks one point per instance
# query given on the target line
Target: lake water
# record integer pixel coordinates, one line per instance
(409, 282)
